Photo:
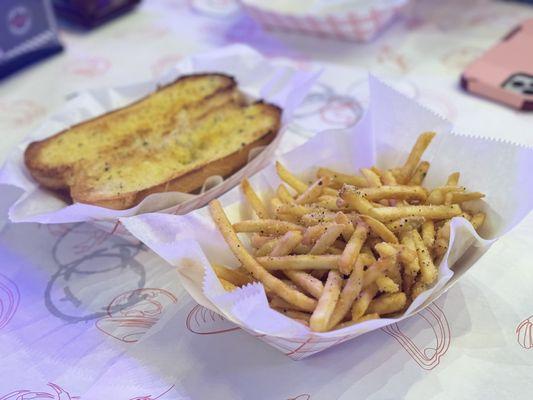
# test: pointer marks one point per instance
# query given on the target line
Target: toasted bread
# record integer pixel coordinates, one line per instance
(171, 140)
(181, 160)
(53, 162)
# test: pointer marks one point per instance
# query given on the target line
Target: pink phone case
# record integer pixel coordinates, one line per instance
(505, 72)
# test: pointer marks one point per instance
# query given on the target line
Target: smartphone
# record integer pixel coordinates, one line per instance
(505, 72)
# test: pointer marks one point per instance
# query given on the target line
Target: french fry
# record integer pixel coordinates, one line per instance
(477, 220)
(285, 245)
(317, 217)
(341, 178)
(352, 249)
(279, 303)
(362, 302)
(428, 270)
(406, 171)
(438, 195)
(253, 199)
(387, 303)
(448, 198)
(284, 195)
(428, 233)
(275, 206)
(330, 235)
(266, 226)
(330, 203)
(379, 229)
(367, 317)
(419, 174)
(232, 275)
(441, 242)
(326, 304)
(418, 288)
(313, 192)
(290, 179)
(350, 291)
(470, 196)
(356, 201)
(300, 262)
(386, 284)
(298, 315)
(299, 210)
(271, 282)
(453, 179)
(228, 286)
(410, 268)
(371, 177)
(377, 269)
(394, 192)
(405, 224)
(388, 178)
(429, 212)
(257, 240)
(343, 219)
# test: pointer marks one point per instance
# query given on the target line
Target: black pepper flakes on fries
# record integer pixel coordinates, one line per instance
(344, 248)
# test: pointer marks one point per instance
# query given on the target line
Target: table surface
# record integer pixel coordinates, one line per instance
(474, 342)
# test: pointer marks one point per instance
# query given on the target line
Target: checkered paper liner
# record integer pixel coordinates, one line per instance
(257, 77)
(358, 25)
(383, 137)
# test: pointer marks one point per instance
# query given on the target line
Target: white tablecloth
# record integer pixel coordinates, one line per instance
(55, 339)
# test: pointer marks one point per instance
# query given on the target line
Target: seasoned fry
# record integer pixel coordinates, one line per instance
(271, 282)
(410, 268)
(418, 288)
(312, 192)
(303, 280)
(254, 200)
(386, 284)
(290, 179)
(317, 217)
(300, 262)
(232, 275)
(428, 233)
(326, 304)
(462, 197)
(343, 219)
(362, 302)
(377, 269)
(352, 249)
(356, 201)
(330, 235)
(279, 303)
(418, 149)
(419, 174)
(367, 317)
(394, 192)
(388, 178)
(350, 291)
(388, 303)
(453, 179)
(405, 224)
(341, 178)
(298, 315)
(442, 240)
(228, 286)
(258, 240)
(284, 195)
(429, 212)
(379, 229)
(371, 177)
(266, 226)
(428, 270)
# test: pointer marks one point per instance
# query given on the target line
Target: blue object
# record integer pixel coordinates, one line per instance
(28, 35)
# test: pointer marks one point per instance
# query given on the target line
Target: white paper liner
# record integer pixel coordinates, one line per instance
(256, 77)
(384, 137)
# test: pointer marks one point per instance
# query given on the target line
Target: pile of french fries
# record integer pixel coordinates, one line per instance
(346, 248)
